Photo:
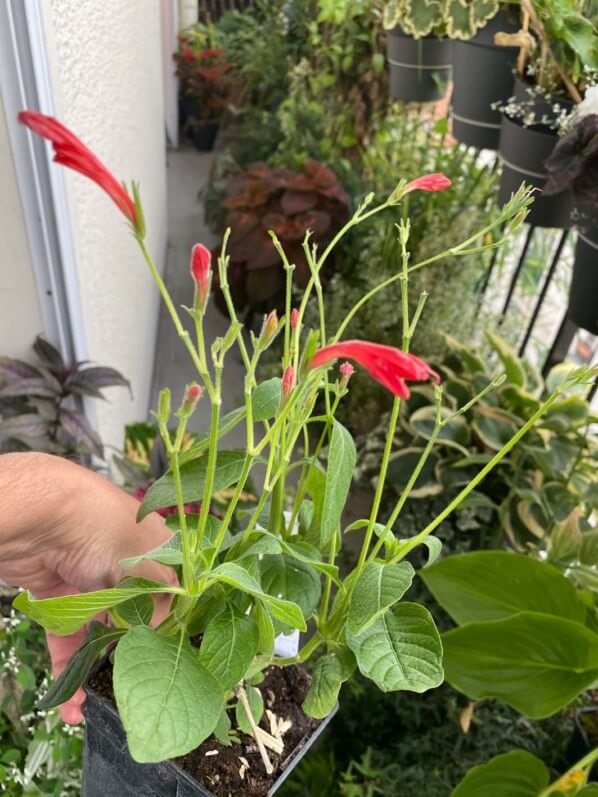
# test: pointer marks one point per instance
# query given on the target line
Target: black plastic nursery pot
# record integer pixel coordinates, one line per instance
(523, 151)
(203, 135)
(109, 770)
(583, 293)
(420, 69)
(482, 75)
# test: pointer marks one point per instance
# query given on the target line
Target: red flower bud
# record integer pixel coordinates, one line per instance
(288, 382)
(429, 182)
(201, 271)
(193, 393)
(347, 372)
(388, 365)
(294, 318)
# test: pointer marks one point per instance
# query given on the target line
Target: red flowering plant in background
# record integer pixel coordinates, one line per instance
(206, 78)
(233, 571)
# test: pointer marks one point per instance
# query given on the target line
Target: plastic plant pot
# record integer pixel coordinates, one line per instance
(108, 769)
(483, 74)
(583, 293)
(420, 69)
(203, 135)
(523, 151)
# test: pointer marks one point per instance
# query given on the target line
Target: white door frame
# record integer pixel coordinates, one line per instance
(25, 83)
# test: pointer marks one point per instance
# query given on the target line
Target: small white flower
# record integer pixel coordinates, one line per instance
(589, 104)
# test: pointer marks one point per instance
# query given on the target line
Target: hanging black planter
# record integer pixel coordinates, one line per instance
(583, 294)
(203, 135)
(523, 151)
(420, 69)
(482, 75)
(108, 769)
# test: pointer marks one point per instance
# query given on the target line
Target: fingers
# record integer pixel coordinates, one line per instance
(61, 649)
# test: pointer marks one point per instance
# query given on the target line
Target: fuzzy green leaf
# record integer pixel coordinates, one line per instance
(329, 674)
(292, 580)
(339, 474)
(229, 645)
(256, 706)
(378, 587)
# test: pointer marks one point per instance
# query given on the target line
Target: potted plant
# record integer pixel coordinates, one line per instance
(264, 199)
(558, 53)
(208, 677)
(573, 166)
(205, 77)
(482, 68)
(419, 52)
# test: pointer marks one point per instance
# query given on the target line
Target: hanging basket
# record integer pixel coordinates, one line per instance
(483, 74)
(420, 69)
(523, 151)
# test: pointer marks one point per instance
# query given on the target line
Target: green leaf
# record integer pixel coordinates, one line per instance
(169, 553)
(201, 445)
(229, 466)
(536, 663)
(513, 365)
(79, 665)
(67, 614)
(167, 701)
(229, 645)
(308, 554)
(266, 399)
(493, 426)
(514, 774)
(339, 474)
(591, 790)
(490, 585)
(136, 611)
(292, 580)
(378, 587)
(401, 650)
(329, 674)
(236, 576)
(265, 628)
(256, 706)
(567, 413)
(402, 465)
(222, 731)
(455, 432)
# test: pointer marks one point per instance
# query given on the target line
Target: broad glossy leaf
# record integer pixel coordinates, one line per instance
(401, 650)
(512, 364)
(339, 475)
(493, 426)
(228, 646)
(401, 467)
(567, 413)
(378, 587)
(536, 663)
(79, 665)
(229, 466)
(514, 774)
(291, 579)
(256, 706)
(489, 585)
(455, 432)
(329, 674)
(136, 611)
(236, 576)
(467, 356)
(167, 701)
(67, 614)
(169, 553)
(266, 399)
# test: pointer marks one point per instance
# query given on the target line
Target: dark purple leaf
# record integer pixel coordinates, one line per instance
(51, 380)
(78, 426)
(91, 379)
(28, 425)
(49, 355)
(34, 386)
(47, 409)
(17, 369)
(574, 162)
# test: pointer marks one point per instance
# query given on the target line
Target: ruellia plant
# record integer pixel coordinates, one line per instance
(193, 675)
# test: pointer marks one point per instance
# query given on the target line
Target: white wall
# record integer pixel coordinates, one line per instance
(20, 315)
(107, 76)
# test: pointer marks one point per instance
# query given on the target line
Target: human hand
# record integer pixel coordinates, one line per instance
(65, 530)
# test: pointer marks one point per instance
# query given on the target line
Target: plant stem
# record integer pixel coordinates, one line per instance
(409, 546)
(211, 465)
(306, 651)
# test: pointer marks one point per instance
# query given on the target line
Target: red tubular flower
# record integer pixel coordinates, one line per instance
(70, 151)
(389, 366)
(201, 271)
(429, 182)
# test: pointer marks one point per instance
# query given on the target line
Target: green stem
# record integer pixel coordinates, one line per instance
(328, 584)
(584, 764)
(409, 546)
(247, 465)
(211, 465)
